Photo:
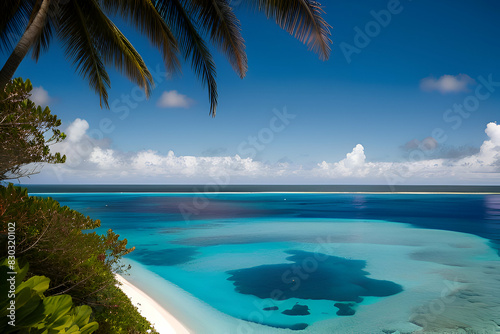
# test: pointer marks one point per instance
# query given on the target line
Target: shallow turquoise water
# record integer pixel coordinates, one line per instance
(317, 262)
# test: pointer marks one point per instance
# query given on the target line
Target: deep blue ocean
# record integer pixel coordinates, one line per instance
(314, 262)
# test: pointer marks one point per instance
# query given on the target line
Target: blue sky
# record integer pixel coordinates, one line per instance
(391, 97)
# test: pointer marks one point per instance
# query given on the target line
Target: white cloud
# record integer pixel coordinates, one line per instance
(488, 158)
(89, 160)
(493, 131)
(153, 163)
(40, 96)
(354, 164)
(103, 158)
(485, 162)
(172, 99)
(76, 130)
(447, 83)
(78, 148)
(354, 159)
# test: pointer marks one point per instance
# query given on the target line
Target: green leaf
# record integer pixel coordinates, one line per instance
(72, 330)
(39, 284)
(89, 328)
(23, 295)
(58, 308)
(82, 315)
(31, 313)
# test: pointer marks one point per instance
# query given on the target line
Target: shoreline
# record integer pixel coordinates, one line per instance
(161, 319)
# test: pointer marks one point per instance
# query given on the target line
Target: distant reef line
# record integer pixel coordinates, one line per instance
(214, 188)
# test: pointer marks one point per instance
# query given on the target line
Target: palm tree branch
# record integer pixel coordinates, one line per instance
(302, 19)
(115, 49)
(192, 46)
(81, 48)
(218, 18)
(143, 14)
(13, 22)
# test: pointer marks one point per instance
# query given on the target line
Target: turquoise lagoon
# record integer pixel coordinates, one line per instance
(311, 263)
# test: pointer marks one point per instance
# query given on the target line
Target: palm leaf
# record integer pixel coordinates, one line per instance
(302, 19)
(218, 19)
(42, 42)
(93, 41)
(115, 49)
(143, 14)
(81, 49)
(14, 19)
(192, 46)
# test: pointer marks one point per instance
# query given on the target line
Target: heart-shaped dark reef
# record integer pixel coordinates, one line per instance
(312, 276)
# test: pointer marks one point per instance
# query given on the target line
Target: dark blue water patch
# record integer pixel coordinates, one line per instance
(164, 257)
(345, 309)
(312, 276)
(295, 327)
(297, 309)
(271, 308)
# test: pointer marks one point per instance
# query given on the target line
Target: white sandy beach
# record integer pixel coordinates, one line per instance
(163, 321)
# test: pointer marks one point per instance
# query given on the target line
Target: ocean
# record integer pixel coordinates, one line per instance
(308, 259)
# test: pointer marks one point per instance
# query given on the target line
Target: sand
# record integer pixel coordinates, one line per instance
(163, 321)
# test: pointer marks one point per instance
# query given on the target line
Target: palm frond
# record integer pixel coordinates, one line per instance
(218, 19)
(192, 46)
(14, 19)
(302, 19)
(143, 14)
(115, 49)
(81, 48)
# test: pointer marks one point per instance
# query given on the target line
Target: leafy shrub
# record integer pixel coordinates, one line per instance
(57, 243)
(26, 132)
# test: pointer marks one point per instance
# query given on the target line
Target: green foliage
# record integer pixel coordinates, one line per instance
(57, 243)
(24, 129)
(33, 313)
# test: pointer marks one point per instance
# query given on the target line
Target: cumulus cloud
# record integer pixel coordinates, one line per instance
(447, 83)
(40, 96)
(91, 160)
(354, 164)
(81, 150)
(486, 161)
(172, 99)
(103, 158)
(488, 157)
(76, 130)
(171, 165)
(493, 131)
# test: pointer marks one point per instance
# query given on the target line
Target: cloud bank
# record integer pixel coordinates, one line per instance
(92, 161)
